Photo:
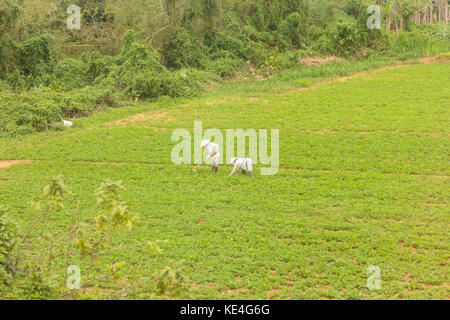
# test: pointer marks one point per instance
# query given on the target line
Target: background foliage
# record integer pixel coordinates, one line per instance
(146, 49)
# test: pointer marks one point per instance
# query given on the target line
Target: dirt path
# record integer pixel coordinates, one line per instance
(403, 64)
(9, 163)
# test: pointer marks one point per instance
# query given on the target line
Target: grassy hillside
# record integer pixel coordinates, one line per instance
(363, 181)
(145, 50)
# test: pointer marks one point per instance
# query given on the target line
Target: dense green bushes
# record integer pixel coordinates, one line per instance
(37, 56)
(344, 39)
(201, 44)
(44, 92)
(70, 74)
(9, 51)
(39, 108)
(290, 33)
(140, 73)
(149, 84)
(27, 64)
(182, 50)
(9, 56)
(224, 67)
(98, 66)
(139, 58)
(78, 87)
(421, 41)
(8, 235)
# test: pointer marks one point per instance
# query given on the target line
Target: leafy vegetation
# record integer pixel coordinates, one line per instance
(7, 245)
(42, 272)
(363, 181)
(363, 178)
(193, 45)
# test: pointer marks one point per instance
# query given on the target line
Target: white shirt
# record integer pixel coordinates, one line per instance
(242, 163)
(213, 150)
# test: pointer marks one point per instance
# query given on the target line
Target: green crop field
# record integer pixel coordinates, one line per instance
(363, 180)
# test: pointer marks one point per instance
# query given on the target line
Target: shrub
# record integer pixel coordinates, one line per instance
(181, 50)
(257, 53)
(439, 31)
(140, 73)
(222, 41)
(444, 56)
(36, 110)
(249, 33)
(70, 74)
(287, 60)
(7, 245)
(84, 101)
(151, 85)
(18, 81)
(37, 55)
(99, 67)
(9, 51)
(139, 58)
(127, 41)
(225, 67)
(9, 56)
(290, 32)
(344, 38)
(37, 287)
(4, 85)
(39, 114)
(415, 44)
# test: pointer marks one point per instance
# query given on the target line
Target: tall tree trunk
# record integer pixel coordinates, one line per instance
(394, 17)
(446, 17)
(388, 20)
(430, 14)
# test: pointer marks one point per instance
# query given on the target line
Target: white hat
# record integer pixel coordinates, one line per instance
(233, 160)
(204, 143)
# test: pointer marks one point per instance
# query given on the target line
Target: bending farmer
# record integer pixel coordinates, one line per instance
(213, 153)
(242, 163)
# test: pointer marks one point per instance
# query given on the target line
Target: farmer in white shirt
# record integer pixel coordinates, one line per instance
(242, 163)
(213, 153)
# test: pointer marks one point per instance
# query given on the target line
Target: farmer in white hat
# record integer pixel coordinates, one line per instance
(242, 163)
(213, 153)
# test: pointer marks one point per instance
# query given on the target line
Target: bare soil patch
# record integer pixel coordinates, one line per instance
(316, 61)
(144, 117)
(273, 293)
(9, 163)
(233, 292)
(436, 59)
